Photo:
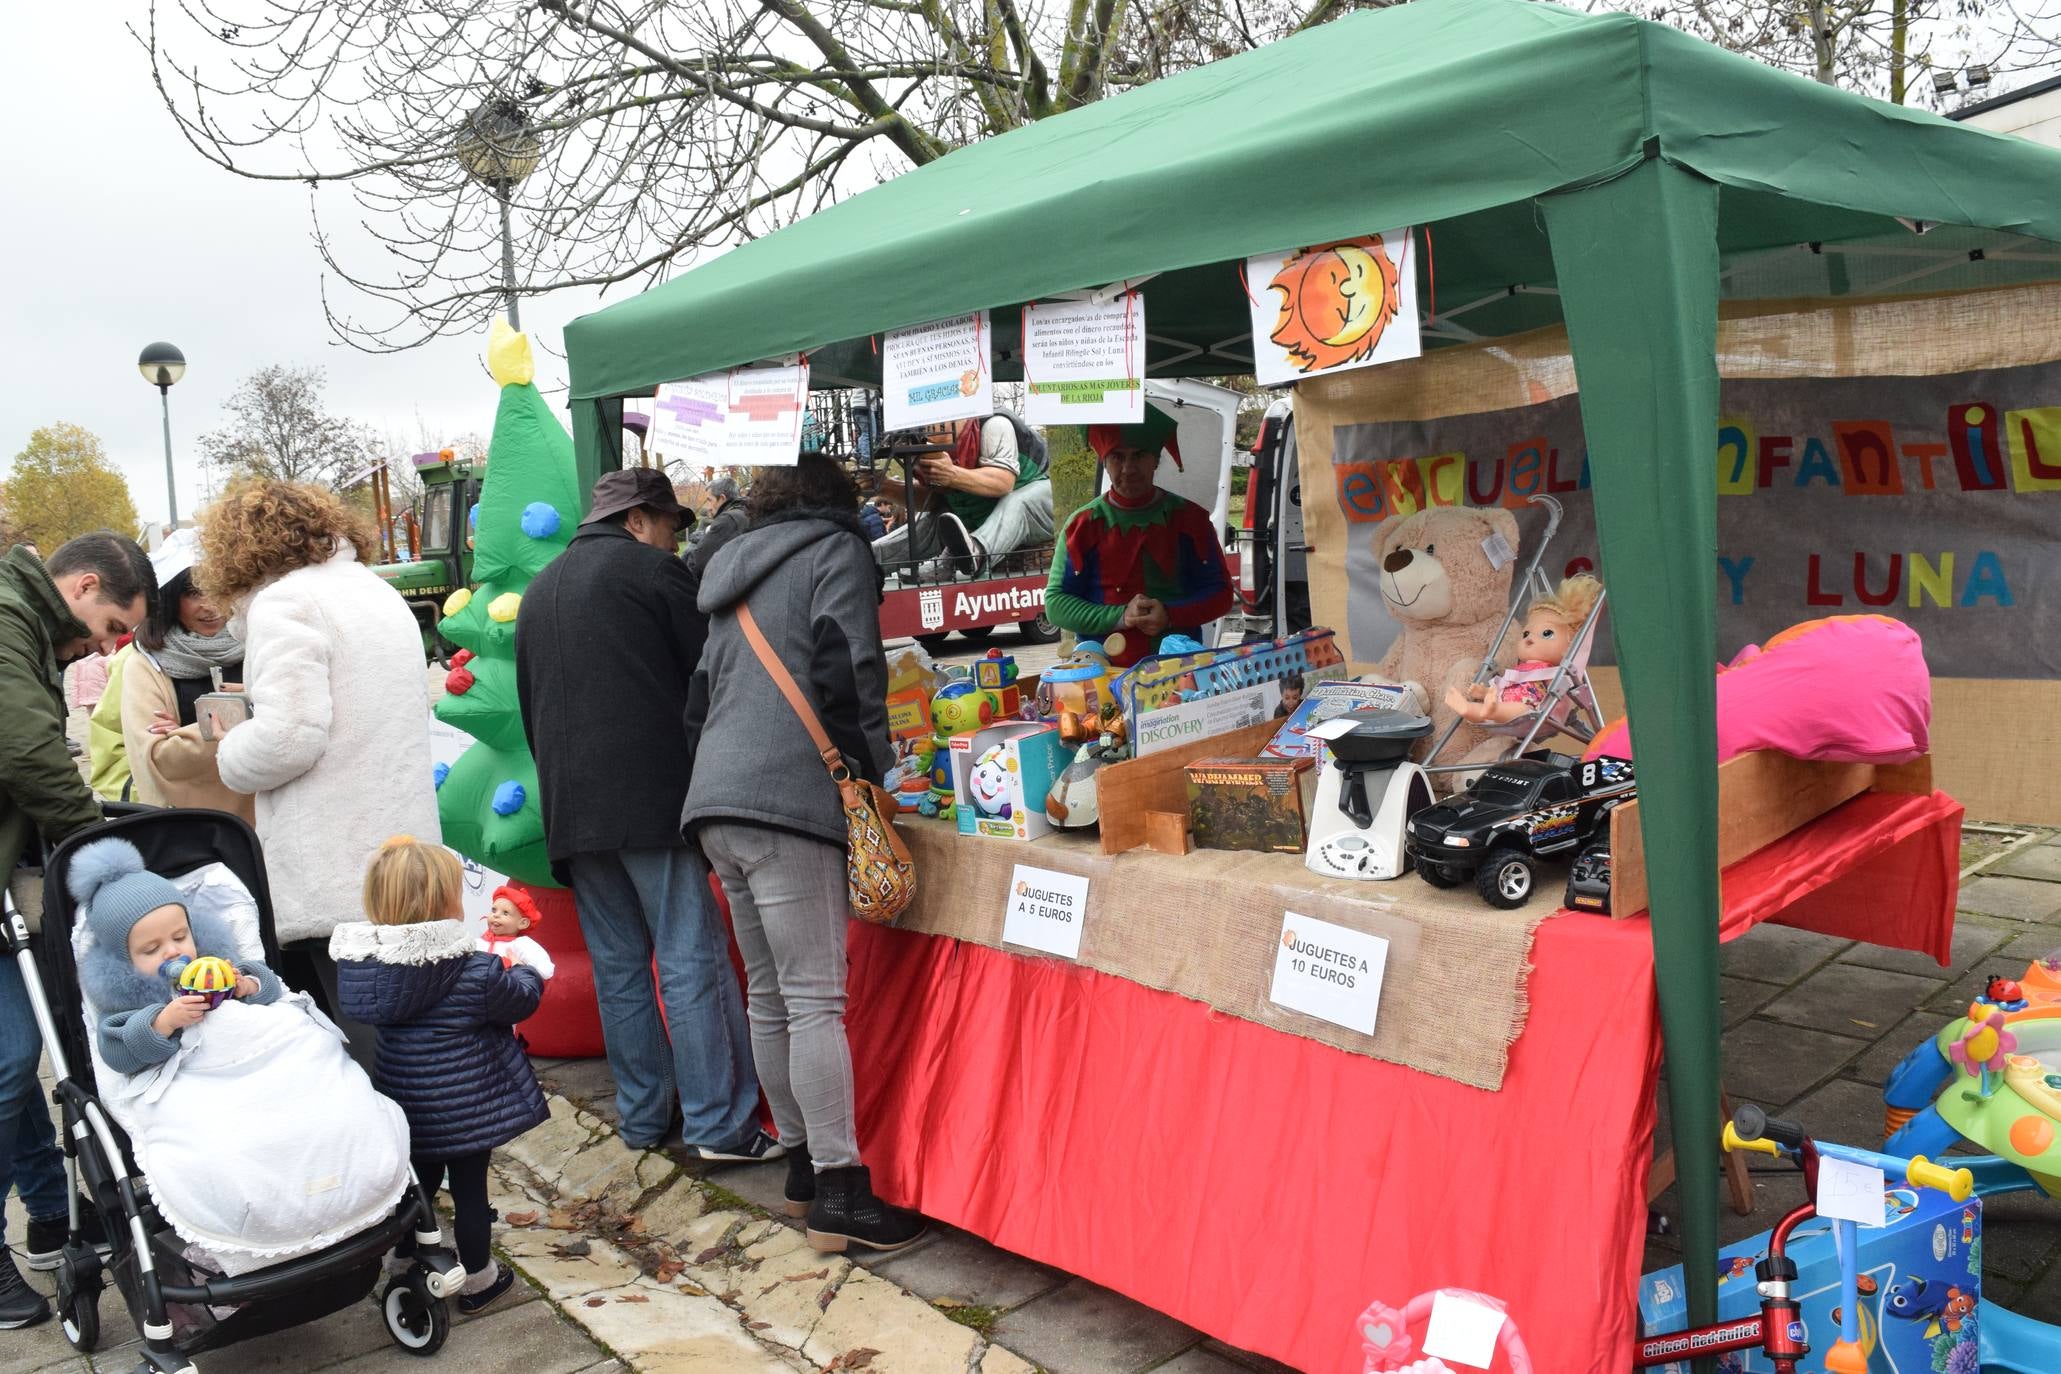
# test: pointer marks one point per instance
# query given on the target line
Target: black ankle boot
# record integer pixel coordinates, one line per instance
(21, 1305)
(801, 1179)
(846, 1212)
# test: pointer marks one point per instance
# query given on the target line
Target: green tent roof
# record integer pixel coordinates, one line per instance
(1448, 113)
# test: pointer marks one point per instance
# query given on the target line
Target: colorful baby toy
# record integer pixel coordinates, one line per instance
(989, 783)
(1992, 1077)
(207, 976)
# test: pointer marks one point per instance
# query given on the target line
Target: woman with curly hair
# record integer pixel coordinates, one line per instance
(336, 749)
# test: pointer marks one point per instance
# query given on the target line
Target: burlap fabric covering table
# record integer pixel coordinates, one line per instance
(1206, 925)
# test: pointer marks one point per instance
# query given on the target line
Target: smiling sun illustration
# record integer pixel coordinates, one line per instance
(1336, 300)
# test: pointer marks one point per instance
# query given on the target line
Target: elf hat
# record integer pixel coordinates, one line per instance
(109, 882)
(522, 902)
(1158, 430)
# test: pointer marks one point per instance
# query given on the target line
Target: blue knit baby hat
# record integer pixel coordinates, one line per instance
(109, 882)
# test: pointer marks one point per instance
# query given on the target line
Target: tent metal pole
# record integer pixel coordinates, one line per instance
(1636, 258)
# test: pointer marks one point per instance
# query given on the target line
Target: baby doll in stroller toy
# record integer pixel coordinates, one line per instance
(1551, 625)
(155, 969)
(514, 915)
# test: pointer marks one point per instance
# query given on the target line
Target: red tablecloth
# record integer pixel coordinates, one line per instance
(1264, 1187)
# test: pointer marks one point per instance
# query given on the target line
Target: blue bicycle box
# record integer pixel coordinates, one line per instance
(1921, 1275)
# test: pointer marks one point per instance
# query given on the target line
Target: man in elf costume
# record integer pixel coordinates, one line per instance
(1137, 563)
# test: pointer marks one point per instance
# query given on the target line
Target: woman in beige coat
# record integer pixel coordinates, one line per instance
(178, 647)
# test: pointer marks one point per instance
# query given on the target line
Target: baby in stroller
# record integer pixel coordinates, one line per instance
(251, 1179)
(141, 932)
(201, 1089)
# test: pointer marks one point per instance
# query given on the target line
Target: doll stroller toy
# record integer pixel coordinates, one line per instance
(180, 1308)
(1569, 705)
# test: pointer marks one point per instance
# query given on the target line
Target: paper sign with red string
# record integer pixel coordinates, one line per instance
(1084, 361)
(938, 372)
(1330, 306)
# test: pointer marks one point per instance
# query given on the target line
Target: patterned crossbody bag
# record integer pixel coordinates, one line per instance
(882, 875)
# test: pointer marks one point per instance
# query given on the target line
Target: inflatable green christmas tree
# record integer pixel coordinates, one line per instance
(529, 507)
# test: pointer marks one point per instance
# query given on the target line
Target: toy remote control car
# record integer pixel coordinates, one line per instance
(1516, 813)
(1588, 882)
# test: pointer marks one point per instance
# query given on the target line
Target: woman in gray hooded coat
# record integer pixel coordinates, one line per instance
(768, 817)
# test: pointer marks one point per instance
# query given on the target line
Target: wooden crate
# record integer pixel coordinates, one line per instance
(1125, 792)
(1762, 796)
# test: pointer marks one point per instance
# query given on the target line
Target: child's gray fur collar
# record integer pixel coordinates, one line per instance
(426, 942)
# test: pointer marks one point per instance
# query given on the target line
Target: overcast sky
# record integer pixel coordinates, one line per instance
(117, 233)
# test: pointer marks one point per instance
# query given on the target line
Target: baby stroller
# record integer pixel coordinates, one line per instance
(143, 1254)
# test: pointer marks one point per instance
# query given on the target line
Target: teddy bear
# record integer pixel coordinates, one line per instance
(1439, 582)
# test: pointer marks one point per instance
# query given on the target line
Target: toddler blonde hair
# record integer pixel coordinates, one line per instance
(410, 882)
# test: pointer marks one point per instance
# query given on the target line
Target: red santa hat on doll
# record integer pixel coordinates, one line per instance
(522, 902)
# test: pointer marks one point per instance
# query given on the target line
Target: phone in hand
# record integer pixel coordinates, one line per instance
(219, 712)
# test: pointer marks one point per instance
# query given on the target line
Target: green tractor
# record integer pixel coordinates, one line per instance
(427, 552)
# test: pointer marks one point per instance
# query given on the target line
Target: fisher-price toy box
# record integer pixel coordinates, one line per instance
(1001, 776)
(1920, 1277)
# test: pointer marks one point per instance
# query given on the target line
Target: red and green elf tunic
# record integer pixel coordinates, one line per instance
(1166, 549)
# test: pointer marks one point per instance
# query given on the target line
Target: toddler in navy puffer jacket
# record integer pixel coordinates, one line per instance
(447, 1051)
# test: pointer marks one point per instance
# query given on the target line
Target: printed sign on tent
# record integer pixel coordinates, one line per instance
(1331, 306)
(745, 417)
(766, 407)
(938, 372)
(1084, 361)
(687, 420)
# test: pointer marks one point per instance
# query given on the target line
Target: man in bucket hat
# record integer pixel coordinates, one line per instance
(605, 643)
(1137, 563)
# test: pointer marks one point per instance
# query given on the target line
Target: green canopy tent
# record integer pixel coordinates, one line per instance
(1599, 170)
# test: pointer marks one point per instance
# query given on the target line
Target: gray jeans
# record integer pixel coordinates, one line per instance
(1022, 517)
(789, 902)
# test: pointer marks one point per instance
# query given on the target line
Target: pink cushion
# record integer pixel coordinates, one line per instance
(1848, 689)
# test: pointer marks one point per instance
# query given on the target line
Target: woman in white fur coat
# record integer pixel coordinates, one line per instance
(336, 749)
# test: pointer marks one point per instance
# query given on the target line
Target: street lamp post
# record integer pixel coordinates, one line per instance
(161, 365)
(497, 149)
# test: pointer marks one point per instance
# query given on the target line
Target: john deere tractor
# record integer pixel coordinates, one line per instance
(438, 535)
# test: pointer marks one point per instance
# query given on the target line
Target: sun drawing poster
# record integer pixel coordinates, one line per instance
(1330, 306)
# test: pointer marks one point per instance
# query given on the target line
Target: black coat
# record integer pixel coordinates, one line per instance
(444, 1009)
(606, 642)
(725, 525)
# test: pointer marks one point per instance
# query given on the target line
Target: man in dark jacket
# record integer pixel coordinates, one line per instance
(606, 642)
(95, 589)
(728, 519)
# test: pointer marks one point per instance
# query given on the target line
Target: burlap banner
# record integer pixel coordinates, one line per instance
(1207, 925)
(1933, 499)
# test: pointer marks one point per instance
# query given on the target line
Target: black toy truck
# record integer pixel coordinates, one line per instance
(1540, 806)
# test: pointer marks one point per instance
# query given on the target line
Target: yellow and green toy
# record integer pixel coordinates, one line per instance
(1992, 1077)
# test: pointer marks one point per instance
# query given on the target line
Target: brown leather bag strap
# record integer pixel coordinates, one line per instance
(790, 689)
